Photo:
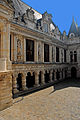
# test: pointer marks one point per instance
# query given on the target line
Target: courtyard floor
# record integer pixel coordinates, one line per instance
(59, 102)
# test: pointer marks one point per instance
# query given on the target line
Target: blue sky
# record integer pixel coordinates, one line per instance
(61, 10)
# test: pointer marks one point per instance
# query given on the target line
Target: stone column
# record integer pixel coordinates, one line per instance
(36, 78)
(63, 74)
(15, 90)
(42, 77)
(50, 53)
(55, 76)
(24, 82)
(51, 75)
(36, 51)
(60, 75)
(24, 50)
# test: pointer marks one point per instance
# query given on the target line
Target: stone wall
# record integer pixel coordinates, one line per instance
(5, 90)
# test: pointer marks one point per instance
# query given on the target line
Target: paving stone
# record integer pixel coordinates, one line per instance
(62, 104)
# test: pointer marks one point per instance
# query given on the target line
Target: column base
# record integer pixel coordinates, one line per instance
(55, 80)
(15, 91)
(25, 88)
(36, 85)
(51, 80)
(43, 83)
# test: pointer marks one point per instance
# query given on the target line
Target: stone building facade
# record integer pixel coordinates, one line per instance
(33, 52)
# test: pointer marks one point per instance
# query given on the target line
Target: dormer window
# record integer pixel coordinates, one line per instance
(45, 27)
(71, 35)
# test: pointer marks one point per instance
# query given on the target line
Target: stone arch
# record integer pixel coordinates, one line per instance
(30, 79)
(19, 81)
(47, 77)
(73, 72)
(58, 75)
(53, 75)
(65, 73)
(40, 77)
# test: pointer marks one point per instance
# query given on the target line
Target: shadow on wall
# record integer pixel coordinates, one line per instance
(65, 84)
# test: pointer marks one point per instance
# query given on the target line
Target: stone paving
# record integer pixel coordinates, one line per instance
(59, 102)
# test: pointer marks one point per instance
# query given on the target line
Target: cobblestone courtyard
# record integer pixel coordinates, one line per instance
(59, 102)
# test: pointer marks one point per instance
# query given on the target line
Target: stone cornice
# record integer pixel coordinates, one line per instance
(35, 34)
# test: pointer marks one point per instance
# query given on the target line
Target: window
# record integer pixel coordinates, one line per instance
(29, 50)
(46, 53)
(64, 55)
(71, 56)
(75, 56)
(57, 54)
(45, 27)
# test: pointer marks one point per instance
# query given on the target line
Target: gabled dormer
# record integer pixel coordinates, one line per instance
(44, 23)
(46, 17)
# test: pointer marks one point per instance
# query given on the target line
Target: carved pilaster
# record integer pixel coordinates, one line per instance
(50, 53)
(24, 50)
(36, 51)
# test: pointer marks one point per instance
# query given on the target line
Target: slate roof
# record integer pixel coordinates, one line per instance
(74, 29)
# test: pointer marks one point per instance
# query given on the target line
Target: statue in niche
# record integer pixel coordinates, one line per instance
(39, 52)
(19, 49)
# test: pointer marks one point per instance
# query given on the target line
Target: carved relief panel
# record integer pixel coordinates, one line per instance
(19, 49)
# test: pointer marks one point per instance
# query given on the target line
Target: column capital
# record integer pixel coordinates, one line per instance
(47, 71)
(15, 75)
(43, 71)
(55, 70)
(37, 72)
(42, 77)
(51, 71)
(24, 74)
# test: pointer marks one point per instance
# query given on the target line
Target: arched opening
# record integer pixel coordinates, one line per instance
(19, 82)
(40, 77)
(57, 75)
(47, 77)
(30, 80)
(65, 73)
(53, 76)
(73, 72)
(62, 73)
